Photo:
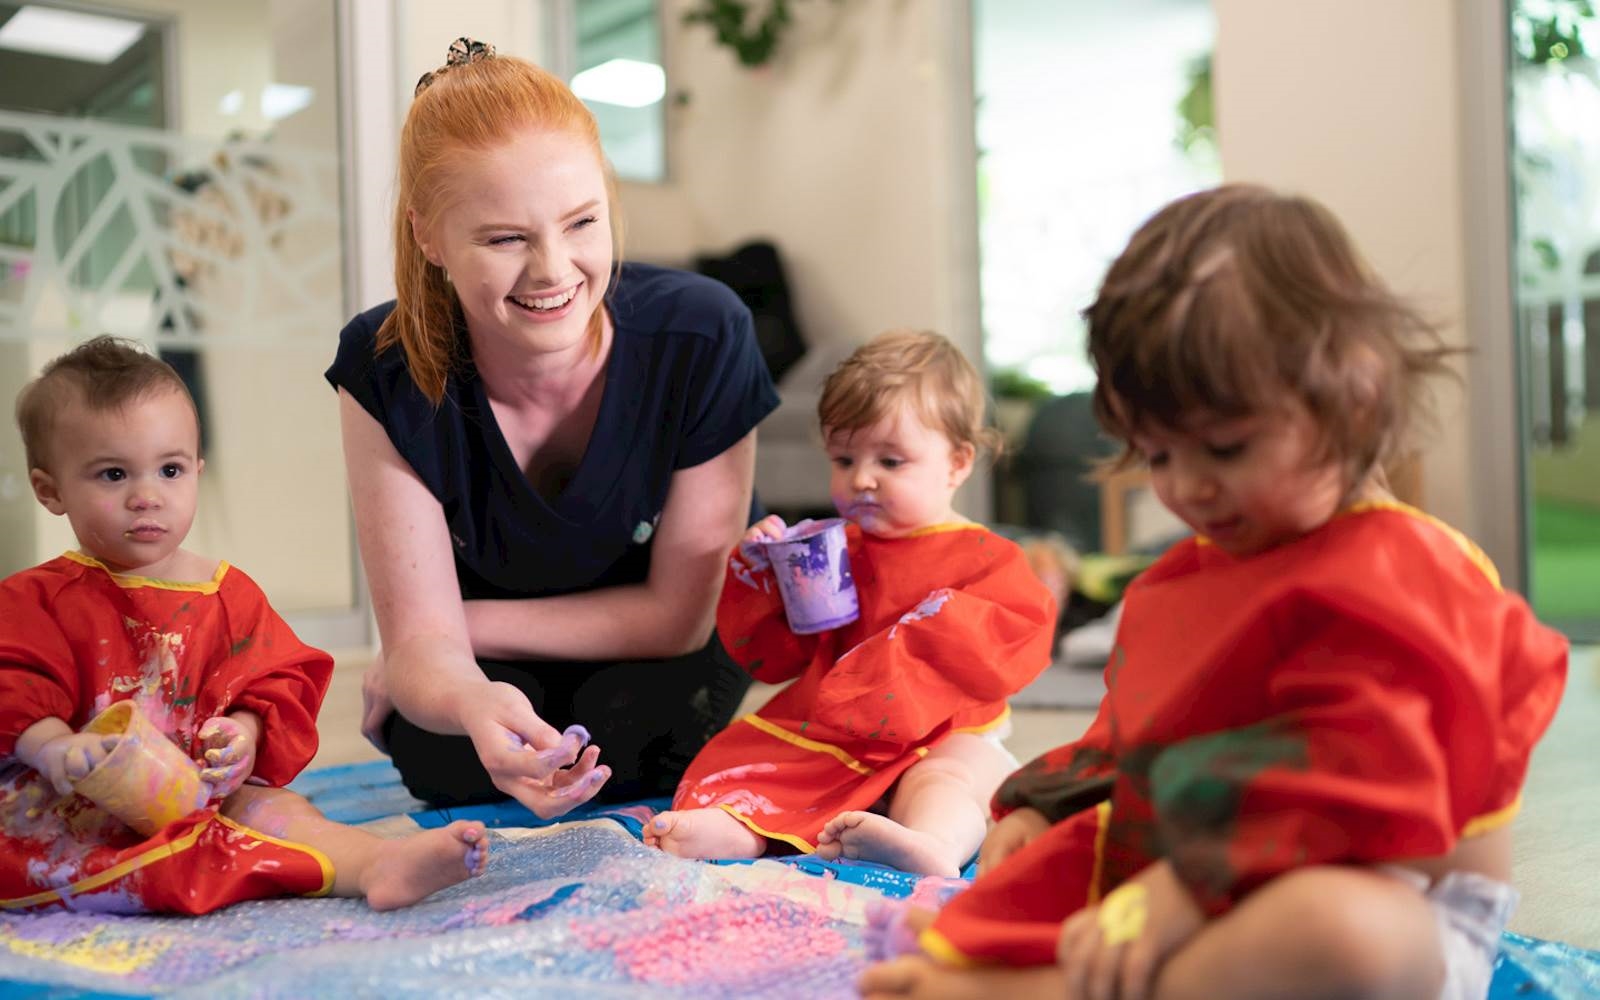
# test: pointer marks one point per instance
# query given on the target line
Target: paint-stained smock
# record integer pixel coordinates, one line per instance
(1365, 693)
(74, 638)
(953, 622)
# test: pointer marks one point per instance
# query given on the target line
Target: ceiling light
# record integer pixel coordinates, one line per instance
(280, 100)
(68, 34)
(625, 82)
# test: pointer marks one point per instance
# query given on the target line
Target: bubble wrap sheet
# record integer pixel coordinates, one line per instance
(581, 909)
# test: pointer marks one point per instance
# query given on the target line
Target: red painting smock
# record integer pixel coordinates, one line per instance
(953, 622)
(1366, 693)
(74, 638)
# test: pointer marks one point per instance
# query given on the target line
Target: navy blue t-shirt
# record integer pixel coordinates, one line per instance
(684, 382)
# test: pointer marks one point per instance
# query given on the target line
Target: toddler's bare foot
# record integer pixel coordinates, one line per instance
(919, 978)
(865, 836)
(703, 833)
(415, 867)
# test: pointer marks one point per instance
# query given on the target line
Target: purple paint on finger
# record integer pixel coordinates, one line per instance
(573, 731)
(572, 734)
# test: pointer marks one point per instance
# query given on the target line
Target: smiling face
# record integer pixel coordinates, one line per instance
(127, 479)
(526, 240)
(896, 476)
(1247, 484)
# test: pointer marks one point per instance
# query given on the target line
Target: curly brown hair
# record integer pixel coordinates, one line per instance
(1234, 301)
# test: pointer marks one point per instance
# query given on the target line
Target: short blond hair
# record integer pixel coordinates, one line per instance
(914, 367)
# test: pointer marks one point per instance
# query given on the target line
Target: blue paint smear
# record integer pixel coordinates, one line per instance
(554, 900)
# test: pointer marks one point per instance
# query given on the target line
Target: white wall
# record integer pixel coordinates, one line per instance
(1368, 121)
(853, 152)
(425, 29)
(840, 150)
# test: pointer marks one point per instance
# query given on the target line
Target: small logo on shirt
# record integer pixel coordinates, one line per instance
(644, 529)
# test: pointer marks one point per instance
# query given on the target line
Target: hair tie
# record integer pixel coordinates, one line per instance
(462, 52)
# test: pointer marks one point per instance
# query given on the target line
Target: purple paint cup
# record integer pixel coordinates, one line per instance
(813, 570)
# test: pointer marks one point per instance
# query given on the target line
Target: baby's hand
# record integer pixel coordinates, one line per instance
(68, 758)
(1116, 948)
(751, 547)
(768, 529)
(229, 751)
(1014, 832)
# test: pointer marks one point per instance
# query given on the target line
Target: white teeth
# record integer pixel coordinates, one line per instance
(554, 302)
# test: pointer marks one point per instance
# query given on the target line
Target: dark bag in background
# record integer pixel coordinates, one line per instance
(755, 274)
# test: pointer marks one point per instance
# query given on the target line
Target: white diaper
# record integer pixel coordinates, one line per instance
(998, 736)
(1471, 911)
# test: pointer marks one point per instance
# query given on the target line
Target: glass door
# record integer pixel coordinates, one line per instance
(170, 173)
(1555, 164)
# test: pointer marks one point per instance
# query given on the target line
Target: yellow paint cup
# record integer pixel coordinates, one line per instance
(146, 781)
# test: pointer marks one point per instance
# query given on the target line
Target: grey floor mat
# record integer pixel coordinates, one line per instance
(1064, 686)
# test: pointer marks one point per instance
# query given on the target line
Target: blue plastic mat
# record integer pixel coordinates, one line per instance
(583, 909)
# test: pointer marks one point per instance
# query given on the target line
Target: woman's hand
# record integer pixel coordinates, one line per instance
(1113, 951)
(549, 772)
(228, 744)
(1015, 831)
(376, 705)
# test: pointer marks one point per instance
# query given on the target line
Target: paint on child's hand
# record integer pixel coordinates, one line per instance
(888, 933)
(1124, 913)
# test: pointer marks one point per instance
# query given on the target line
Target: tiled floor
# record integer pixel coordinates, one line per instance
(1557, 834)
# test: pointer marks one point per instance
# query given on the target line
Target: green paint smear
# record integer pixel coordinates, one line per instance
(1197, 784)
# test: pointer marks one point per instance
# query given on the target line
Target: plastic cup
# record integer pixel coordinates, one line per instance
(147, 781)
(813, 570)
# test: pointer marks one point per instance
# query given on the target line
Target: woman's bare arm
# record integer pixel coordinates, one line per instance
(405, 548)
